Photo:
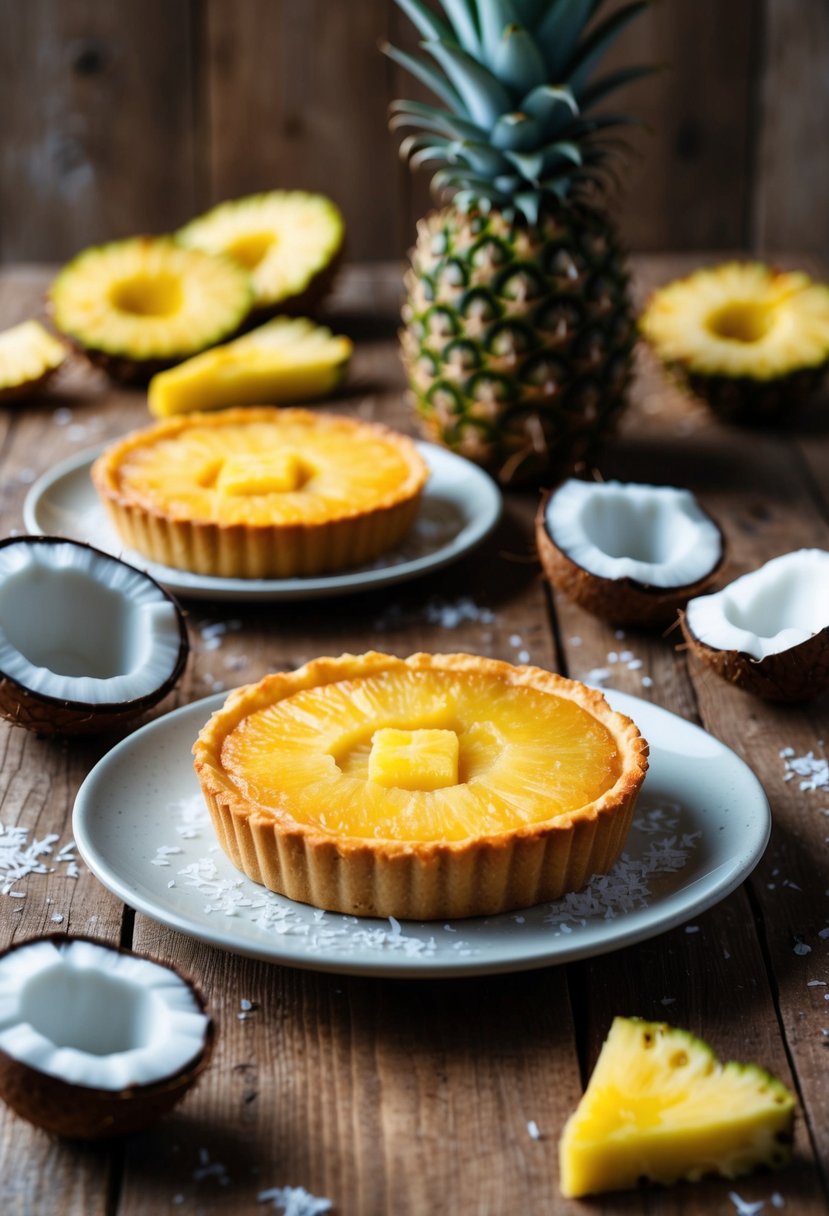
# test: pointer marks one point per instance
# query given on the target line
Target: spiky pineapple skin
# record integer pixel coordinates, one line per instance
(518, 338)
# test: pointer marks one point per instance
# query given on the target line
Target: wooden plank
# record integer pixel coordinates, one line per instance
(97, 139)
(297, 97)
(687, 185)
(791, 190)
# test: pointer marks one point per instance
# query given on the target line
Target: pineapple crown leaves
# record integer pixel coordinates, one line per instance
(517, 83)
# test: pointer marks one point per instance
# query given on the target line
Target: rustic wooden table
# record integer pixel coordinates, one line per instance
(415, 1096)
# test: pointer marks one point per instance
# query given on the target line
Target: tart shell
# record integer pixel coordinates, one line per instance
(481, 876)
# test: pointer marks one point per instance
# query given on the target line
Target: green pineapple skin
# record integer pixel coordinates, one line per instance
(518, 338)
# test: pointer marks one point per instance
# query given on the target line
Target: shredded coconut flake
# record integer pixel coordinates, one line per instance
(448, 614)
(812, 770)
(744, 1208)
(20, 857)
(295, 1201)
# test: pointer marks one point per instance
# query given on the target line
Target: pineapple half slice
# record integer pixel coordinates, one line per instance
(751, 341)
(29, 356)
(139, 305)
(289, 240)
(659, 1105)
(287, 359)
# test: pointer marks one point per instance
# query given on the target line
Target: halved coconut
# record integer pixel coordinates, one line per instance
(629, 553)
(768, 631)
(96, 1041)
(87, 642)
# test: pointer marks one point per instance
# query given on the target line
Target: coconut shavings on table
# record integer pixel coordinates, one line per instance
(294, 1201)
(20, 857)
(660, 845)
(812, 770)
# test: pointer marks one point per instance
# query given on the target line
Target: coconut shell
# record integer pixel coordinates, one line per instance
(619, 601)
(80, 1112)
(798, 674)
(47, 715)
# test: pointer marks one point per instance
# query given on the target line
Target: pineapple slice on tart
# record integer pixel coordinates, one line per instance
(287, 359)
(660, 1106)
(261, 492)
(136, 306)
(751, 341)
(519, 327)
(29, 357)
(290, 242)
(421, 788)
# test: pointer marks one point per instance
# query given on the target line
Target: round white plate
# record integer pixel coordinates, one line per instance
(701, 826)
(460, 506)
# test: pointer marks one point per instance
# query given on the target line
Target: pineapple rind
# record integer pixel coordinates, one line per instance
(660, 1106)
(524, 370)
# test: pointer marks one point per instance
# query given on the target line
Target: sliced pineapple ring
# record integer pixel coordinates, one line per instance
(29, 355)
(287, 359)
(659, 1105)
(750, 340)
(144, 303)
(286, 239)
(438, 785)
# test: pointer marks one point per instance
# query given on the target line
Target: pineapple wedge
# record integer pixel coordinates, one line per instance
(285, 360)
(29, 356)
(659, 1105)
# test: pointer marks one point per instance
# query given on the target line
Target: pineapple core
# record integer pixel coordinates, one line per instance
(278, 472)
(414, 759)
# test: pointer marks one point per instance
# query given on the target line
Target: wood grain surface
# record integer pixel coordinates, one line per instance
(400, 1097)
(123, 116)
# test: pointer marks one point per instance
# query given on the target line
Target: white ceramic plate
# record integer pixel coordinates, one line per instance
(701, 826)
(460, 507)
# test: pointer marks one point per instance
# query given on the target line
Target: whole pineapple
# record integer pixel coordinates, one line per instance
(519, 325)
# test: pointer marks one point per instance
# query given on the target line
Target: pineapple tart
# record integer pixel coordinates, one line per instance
(261, 492)
(420, 788)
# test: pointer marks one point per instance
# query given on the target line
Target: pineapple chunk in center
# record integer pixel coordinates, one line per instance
(414, 759)
(275, 473)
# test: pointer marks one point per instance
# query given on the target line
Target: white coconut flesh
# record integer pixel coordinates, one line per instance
(772, 609)
(78, 626)
(96, 1017)
(656, 535)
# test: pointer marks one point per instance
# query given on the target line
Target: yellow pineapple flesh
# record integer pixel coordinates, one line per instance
(660, 1106)
(285, 360)
(523, 756)
(29, 355)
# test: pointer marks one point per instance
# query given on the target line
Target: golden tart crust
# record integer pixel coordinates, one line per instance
(283, 767)
(261, 492)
